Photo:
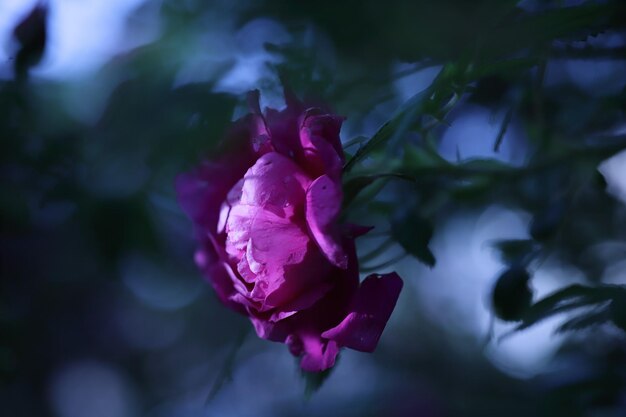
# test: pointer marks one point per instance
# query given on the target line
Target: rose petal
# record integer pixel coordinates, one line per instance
(323, 204)
(319, 138)
(316, 354)
(371, 308)
(275, 183)
(218, 275)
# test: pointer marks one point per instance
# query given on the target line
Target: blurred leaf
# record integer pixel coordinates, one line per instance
(516, 251)
(596, 316)
(354, 186)
(313, 381)
(547, 222)
(403, 120)
(511, 296)
(618, 310)
(31, 35)
(537, 29)
(569, 298)
(416, 158)
(413, 233)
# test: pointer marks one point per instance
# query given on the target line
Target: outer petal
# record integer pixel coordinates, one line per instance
(303, 331)
(323, 204)
(202, 191)
(317, 354)
(321, 146)
(218, 274)
(372, 307)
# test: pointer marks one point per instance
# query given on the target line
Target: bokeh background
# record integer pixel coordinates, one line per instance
(103, 313)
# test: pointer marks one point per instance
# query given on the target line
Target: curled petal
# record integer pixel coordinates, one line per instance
(323, 204)
(371, 308)
(321, 146)
(316, 353)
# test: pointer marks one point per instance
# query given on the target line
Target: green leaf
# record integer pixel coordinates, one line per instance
(416, 158)
(313, 381)
(353, 186)
(413, 233)
(403, 121)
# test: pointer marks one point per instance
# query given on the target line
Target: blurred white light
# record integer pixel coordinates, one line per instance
(456, 293)
(252, 60)
(82, 35)
(614, 172)
(473, 134)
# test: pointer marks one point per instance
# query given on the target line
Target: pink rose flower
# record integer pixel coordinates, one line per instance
(266, 215)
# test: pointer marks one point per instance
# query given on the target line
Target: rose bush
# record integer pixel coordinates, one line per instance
(266, 214)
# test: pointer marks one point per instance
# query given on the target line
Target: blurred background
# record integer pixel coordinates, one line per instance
(508, 115)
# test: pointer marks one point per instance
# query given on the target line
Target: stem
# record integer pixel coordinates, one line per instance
(462, 171)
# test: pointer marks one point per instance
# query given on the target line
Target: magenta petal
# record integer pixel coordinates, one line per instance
(319, 135)
(323, 203)
(266, 329)
(275, 183)
(371, 308)
(303, 301)
(317, 354)
(218, 273)
(200, 197)
(352, 231)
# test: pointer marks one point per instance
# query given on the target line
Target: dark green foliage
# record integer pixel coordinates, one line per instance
(313, 381)
(605, 299)
(413, 233)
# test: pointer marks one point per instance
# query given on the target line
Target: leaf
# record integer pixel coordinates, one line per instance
(537, 29)
(313, 381)
(546, 223)
(402, 121)
(596, 316)
(618, 311)
(413, 233)
(567, 299)
(416, 158)
(503, 128)
(516, 251)
(354, 186)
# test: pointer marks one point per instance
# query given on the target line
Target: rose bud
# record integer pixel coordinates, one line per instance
(266, 214)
